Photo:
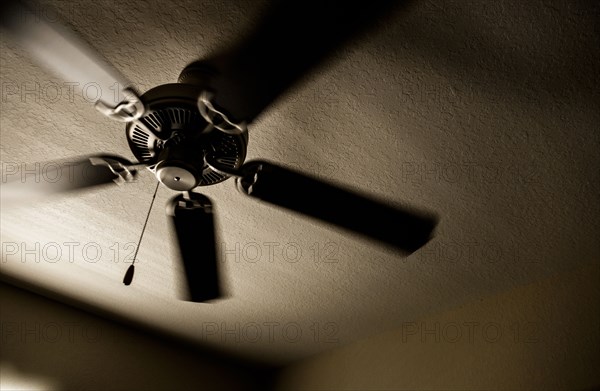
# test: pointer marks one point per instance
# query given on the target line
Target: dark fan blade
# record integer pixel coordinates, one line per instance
(293, 37)
(193, 222)
(280, 186)
(22, 182)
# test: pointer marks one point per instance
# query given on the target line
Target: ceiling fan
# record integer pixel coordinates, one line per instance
(194, 132)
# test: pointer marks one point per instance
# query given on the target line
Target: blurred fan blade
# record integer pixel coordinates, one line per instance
(403, 229)
(293, 37)
(193, 222)
(27, 182)
(61, 51)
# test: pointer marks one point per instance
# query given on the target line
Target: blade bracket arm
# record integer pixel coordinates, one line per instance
(217, 117)
(129, 109)
(123, 173)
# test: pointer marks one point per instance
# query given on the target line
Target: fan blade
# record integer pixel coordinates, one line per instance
(403, 229)
(293, 37)
(61, 51)
(24, 182)
(193, 222)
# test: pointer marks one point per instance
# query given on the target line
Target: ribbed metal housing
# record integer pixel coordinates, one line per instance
(168, 114)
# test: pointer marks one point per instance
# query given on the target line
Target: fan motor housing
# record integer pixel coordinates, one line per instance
(172, 139)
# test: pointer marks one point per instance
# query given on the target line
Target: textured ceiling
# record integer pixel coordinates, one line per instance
(486, 113)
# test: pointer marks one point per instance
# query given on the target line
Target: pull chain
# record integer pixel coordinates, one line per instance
(129, 274)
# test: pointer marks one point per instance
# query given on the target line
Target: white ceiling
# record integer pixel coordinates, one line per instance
(485, 113)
